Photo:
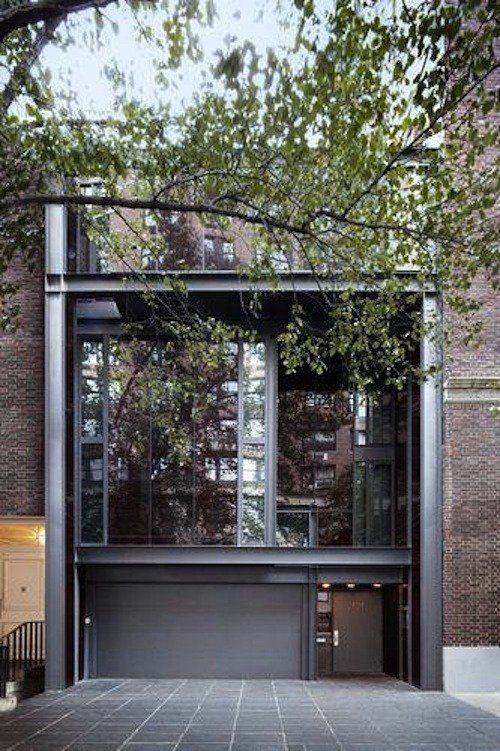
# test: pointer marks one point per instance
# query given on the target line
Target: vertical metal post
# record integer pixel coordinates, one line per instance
(241, 406)
(430, 509)
(271, 440)
(311, 636)
(55, 459)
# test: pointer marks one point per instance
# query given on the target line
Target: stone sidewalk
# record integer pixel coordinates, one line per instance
(362, 714)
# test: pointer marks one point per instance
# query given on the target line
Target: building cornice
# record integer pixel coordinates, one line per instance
(483, 390)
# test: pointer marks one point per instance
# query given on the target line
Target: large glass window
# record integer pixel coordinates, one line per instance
(315, 466)
(172, 437)
(163, 463)
(342, 468)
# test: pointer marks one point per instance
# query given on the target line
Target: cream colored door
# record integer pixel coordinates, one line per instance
(21, 585)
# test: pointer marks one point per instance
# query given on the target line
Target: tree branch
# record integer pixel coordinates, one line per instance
(21, 16)
(424, 133)
(258, 219)
(20, 74)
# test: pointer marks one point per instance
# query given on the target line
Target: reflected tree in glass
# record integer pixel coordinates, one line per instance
(129, 441)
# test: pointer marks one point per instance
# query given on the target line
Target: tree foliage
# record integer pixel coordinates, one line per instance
(365, 149)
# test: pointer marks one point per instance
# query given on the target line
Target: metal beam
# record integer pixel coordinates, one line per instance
(431, 669)
(55, 454)
(339, 575)
(203, 281)
(165, 554)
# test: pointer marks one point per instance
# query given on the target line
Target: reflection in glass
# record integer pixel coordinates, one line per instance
(373, 419)
(216, 456)
(172, 453)
(92, 389)
(253, 458)
(253, 496)
(381, 506)
(372, 519)
(292, 529)
(92, 493)
(315, 459)
(129, 441)
(359, 506)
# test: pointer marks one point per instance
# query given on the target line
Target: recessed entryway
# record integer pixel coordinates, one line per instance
(349, 631)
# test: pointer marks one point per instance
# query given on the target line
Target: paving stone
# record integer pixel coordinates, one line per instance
(360, 714)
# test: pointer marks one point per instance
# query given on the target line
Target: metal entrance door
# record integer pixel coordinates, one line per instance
(357, 632)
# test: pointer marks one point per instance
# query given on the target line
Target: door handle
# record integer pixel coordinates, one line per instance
(336, 637)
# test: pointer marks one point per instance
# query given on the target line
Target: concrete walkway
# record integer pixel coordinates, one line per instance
(490, 701)
(218, 715)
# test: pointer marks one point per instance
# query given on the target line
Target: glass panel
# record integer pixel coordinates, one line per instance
(172, 470)
(129, 442)
(92, 389)
(92, 493)
(195, 456)
(216, 468)
(380, 506)
(372, 511)
(254, 391)
(253, 479)
(293, 529)
(373, 424)
(253, 482)
(360, 420)
(315, 459)
(359, 510)
(380, 419)
(219, 253)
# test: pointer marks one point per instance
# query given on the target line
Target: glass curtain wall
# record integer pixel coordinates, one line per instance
(161, 442)
(162, 464)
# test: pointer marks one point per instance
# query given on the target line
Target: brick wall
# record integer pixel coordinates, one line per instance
(471, 526)
(471, 483)
(21, 401)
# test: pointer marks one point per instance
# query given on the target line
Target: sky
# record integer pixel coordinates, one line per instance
(78, 69)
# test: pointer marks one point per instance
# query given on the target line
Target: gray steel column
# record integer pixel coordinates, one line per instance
(431, 677)
(55, 459)
(271, 440)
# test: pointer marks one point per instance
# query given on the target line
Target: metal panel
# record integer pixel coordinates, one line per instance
(430, 511)
(362, 575)
(198, 630)
(55, 456)
(164, 554)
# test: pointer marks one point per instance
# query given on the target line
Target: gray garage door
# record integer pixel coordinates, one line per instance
(197, 630)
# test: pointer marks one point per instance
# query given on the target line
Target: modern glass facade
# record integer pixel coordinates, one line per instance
(173, 452)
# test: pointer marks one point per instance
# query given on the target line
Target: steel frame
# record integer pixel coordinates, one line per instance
(58, 285)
